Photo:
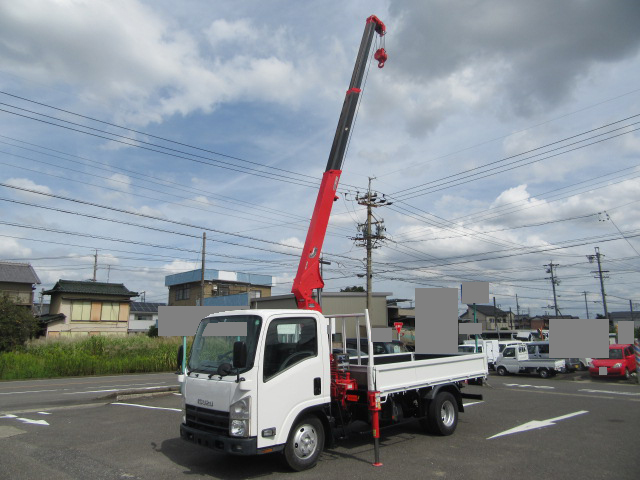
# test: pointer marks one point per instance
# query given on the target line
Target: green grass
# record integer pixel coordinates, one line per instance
(97, 355)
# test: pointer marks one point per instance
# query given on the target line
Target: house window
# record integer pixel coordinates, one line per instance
(223, 290)
(110, 311)
(80, 310)
(255, 294)
(144, 317)
(183, 293)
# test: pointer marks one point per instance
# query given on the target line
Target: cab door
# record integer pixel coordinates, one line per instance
(293, 374)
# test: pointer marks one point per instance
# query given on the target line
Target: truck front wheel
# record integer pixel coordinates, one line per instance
(305, 444)
(442, 418)
(502, 371)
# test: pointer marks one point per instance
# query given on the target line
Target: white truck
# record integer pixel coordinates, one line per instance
(489, 347)
(515, 359)
(261, 381)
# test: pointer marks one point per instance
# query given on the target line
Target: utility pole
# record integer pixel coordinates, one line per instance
(495, 315)
(204, 246)
(586, 305)
(367, 238)
(554, 282)
(519, 323)
(600, 272)
(322, 262)
(95, 266)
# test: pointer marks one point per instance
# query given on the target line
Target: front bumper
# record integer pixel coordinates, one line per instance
(611, 372)
(237, 446)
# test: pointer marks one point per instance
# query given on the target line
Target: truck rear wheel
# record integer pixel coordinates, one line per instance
(543, 372)
(305, 444)
(442, 415)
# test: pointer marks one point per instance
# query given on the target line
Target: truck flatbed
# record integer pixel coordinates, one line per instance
(409, 371)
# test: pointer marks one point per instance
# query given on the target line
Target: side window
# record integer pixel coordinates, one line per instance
(289, 341)
(532, 349)
(509, 352)
(544, 348)
(627, 352)
(378, 349)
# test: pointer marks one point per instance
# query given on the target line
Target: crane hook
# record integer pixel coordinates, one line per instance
(381, 57)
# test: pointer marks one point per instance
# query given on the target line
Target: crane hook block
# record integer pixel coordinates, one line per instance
(381, 57)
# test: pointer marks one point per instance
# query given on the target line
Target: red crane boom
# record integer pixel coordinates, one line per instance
(308, 277)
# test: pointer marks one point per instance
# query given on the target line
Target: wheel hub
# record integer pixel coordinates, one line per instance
(305, 441)
(447, 414)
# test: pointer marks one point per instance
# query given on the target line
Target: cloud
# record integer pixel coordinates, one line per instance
(132, 57)
(29, 185)
(11, 248)
(527, 56)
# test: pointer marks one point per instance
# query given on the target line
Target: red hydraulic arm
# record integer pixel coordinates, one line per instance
(308, 277)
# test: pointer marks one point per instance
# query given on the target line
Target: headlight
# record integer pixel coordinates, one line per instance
(239, 416)
(617, 365)
(239, 428)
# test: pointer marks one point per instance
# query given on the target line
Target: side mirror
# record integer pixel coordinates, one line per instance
(239, 354)
(180, 356)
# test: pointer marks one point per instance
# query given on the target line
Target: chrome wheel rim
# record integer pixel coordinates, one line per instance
(305, 441)
(447, 414)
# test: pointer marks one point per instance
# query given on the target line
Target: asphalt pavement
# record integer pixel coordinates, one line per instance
(526, 427)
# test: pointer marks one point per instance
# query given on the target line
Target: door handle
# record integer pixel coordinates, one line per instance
(317, 387)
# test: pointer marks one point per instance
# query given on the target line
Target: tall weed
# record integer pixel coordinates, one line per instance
(97, 355)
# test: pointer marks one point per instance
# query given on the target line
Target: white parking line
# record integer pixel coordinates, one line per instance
(609, 391)
(544, 387)
(28, 391)
(147, 406)
(472, 403)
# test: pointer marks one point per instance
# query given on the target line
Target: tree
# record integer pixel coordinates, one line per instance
(153, 331)
(17, 324)
(352, 289)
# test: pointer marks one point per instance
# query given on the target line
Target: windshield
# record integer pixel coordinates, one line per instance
(615, 353)
(211, 348)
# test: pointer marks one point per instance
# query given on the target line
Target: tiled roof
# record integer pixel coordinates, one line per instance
(17, 273)
(98, 288)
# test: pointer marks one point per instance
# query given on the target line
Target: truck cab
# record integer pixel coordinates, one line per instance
(285, 367)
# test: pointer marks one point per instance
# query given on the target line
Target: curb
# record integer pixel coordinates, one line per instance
(141, 393)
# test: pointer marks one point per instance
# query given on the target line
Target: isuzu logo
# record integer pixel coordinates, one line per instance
(206, 403)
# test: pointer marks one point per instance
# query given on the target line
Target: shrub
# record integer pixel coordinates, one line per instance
(17, 324)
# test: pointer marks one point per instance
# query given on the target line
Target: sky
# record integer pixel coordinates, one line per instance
(503, 135)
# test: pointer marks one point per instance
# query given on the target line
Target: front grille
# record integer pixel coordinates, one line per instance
(207, 420)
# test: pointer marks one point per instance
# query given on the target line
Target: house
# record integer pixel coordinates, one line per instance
(18, 281)
(88, 308)
(490, 317)
(542, 321)
(333, 303)
(185, 287)
(616, 317)
(143, 315)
